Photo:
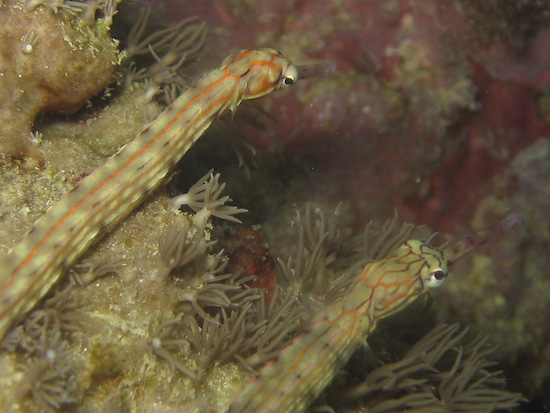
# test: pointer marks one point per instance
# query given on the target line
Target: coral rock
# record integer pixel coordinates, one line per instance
(48, 62)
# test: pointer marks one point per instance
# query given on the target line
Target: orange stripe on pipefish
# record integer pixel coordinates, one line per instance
(114, 189)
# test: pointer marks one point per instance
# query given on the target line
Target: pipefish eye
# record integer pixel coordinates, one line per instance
(289, 75)
(436, 278)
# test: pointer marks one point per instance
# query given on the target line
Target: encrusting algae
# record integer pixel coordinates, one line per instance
(51, 62)
(150, 318)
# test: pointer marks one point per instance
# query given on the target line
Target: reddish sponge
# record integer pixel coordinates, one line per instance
(48, 62)
(248, 253)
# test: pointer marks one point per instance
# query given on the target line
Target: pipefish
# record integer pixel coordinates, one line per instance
(117, 187)
(304, 368)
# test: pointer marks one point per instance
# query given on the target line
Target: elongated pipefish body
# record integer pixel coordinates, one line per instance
(303, 369)
(113, 190)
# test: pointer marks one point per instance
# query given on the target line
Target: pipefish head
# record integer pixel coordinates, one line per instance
(261, 71)
(400, 279)
(427, 262)
(417, 267)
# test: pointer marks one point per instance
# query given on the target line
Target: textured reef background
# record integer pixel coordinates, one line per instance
(437, 109)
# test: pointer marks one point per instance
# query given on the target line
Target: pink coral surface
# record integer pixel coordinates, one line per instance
(420, 115)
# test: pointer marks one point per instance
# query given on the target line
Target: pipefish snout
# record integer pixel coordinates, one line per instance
(116, 188)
